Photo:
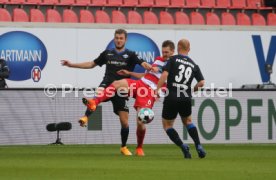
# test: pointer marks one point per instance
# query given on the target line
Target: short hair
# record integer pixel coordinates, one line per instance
(168, 43)
(121, 31)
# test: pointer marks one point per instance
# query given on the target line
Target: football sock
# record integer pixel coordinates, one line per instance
(172, 133)
(106, 94)
(140, 137)
(193, 133)
(124, 135)
(88, 112)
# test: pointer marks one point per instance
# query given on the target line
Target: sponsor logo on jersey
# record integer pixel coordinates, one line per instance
(25, 54)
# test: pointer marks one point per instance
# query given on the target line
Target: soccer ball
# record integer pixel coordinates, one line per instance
(146, 115)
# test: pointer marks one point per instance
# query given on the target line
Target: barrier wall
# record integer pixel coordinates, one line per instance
(225, 55)
(246, 117)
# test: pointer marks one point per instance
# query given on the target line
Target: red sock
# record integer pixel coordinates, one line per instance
(140, 137)
(106, 94)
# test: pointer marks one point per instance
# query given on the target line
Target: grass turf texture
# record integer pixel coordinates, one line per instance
(103, 162)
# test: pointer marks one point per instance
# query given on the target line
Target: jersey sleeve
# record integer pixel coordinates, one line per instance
(101, 60)
(198, 74)
(135, 59)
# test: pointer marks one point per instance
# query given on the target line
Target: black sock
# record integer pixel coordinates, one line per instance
(88, 112)
(124, 135)
(193, 133)
(172, 133)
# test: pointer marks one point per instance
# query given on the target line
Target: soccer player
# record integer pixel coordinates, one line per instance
(115, 60)
(179, 73)
(142, 90)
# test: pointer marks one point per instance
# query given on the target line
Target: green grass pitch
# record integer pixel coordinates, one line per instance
(104, 162)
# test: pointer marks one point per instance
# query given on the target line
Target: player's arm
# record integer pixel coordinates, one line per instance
(146, 65)
(124, 72)
(4, 72)
(82, 65)
(161, 81)
(200, 84)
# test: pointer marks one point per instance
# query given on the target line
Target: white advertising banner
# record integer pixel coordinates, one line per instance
(224, 56)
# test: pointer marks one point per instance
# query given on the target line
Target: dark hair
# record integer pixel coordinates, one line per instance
(168, 43)
(121, 31)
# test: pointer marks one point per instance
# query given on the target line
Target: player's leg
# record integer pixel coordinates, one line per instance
(169, 114)
(120, 108)
(140, 134)
(106, 94)
(185, 113)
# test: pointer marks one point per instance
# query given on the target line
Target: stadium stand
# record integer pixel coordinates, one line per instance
(133, 17)
(83, 2)
(150, 18)
(254, 3)
(5, 15)
(165, 18)
(223, 4)
(102, 17)
(162, 3)
(69, 16)
(177, 3)
(4, 1)
(118, 17)
(17, 1)
(146, 3)
(238, 3)
(53, 15)
(67, 2)
(130, 3)
(33, 2)
(36, 15)
(208, 3)
(86, 16)
(99, 2)
(181, 18)
(20, 15)
(193, 3)
(115, 2)
(51, 2)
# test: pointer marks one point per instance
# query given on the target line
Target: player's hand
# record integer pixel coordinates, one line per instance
(147, 66)
(65, 63)
(123, 72)
(156, 95)
(155, 69)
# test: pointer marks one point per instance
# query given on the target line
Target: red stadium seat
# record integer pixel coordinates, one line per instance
(133, 17)
(67, 2)
(36, 15)
(4, 1)
(69, 16)
(243, 19)
(150, 18)
(254, 3)
(33, 1)
(208, 3)
(51, 2)
(271, 19)
(165, 18)
(20, 15)
(115, 2)
(162, 3)
(212, 19)
(177, 3)
(102, 17)
(118, 17)
(99, 2)
(146, 3)
(17, 1)
(53, 15)
(83, 2)
(181, 18)
(192, 3)
(197, 18)
(238, 3)
(223, 3)
(131, 3)
(86, 16)
(227, 19)
(258, 20)
(5, 15)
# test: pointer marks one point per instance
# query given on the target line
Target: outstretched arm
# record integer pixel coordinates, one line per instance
(124, 72)
(161, 82)
(146, 65)
(83, 65)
